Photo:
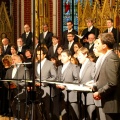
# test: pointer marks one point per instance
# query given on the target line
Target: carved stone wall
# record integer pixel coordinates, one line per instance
(5, 24)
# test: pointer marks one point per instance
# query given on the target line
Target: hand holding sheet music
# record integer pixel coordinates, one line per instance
(89, 84)
(60, 86)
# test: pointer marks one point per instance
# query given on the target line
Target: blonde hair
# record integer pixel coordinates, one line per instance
(7, 58)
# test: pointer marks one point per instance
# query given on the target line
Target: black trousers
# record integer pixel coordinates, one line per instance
(112, 116)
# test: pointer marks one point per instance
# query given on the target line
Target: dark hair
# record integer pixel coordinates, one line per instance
(108, 39)
(70, 33)
(43, 49)
(68, 52)
(110, 19)
(55, 37)
(70, 21)
(15, 47)
(61, 46)
(92, 55)
(78, 44)
(45, 24)
(29, 51)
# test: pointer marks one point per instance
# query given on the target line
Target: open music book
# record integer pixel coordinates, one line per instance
(78, 88)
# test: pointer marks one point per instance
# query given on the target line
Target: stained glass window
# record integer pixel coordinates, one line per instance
(70, 12)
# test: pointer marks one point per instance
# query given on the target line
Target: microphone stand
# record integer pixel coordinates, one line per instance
(33, 91)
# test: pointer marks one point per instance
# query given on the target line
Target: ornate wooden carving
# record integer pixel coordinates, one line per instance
(99, 12)
(42, 14)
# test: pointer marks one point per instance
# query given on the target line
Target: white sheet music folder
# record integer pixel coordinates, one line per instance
(78, 88)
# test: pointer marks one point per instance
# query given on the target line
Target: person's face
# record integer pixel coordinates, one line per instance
(89, 23)
(76, 48)
(6, 63)
(5, 41)
(81, 57)
(40, 55)
(69, 25)
(53, 61)
(28, 54)
(95, 49)
(99, 47)
(91, 38)
(70, 37)
(54, 41)
(13, 51)
(59, 50)
(109, 23)
(65, 58)
(72, 61)
(19, 42)
(45, 28)
(15, 60)
(26, 28)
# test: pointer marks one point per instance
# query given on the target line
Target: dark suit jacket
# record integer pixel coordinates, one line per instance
(90, 49)
(108, 83)
(66, 46)
(8, 50)
(71, 75)
(27, 41)
(24, 48)
(51, 52)
(47, 40)
(94, 30)
(116, 34)
(64, 38)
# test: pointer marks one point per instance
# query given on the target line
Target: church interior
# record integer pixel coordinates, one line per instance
(55, 14)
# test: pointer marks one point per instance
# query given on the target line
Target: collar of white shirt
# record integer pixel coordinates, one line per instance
(70, 30)
(90, 28)
(70, 44)
(110, 29)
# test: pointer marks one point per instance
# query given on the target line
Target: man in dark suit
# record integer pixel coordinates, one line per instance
(86, 74)
(90, 29)
(52, 52)
(46, 36)
(27, 36)
(112, 30)
(69, 29)
(68, 73)
(21, 48)
(45, 70)
(71, 41)
(107, 84)
(90, 44)
(6, 47)
(19, 73)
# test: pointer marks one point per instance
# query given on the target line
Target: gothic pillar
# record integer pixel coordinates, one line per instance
(55, 16)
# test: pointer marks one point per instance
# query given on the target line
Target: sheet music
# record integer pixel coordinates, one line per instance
(78, 88)
(70, 86)
(79, 36)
